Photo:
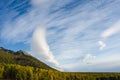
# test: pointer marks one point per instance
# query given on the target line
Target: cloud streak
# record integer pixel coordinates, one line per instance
(115, 28)
(87, 58)
(39, 2)
(41, 49)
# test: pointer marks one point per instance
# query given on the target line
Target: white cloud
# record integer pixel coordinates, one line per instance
(38, 2)
(101, 63)
(107, 61)
(83, 64)
(112, 30)
(68, 54)
(101, 44)
(41, 49)
(88, 58)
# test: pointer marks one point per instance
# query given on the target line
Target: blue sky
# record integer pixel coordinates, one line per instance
(69, 35)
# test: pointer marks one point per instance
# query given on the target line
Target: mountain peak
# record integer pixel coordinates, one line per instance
(22, 58)
(21, 52)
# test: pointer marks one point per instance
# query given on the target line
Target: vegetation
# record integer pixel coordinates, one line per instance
(18, 72)
(25, 67)
(10, 57)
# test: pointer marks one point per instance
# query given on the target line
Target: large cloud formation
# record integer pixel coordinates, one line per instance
(41, 49)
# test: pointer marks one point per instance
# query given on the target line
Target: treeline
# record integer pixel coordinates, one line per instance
(18, 72)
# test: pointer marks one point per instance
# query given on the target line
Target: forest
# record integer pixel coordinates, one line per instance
(18, 72)
(19, 66)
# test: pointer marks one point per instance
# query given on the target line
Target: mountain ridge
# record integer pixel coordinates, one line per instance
(22, 58)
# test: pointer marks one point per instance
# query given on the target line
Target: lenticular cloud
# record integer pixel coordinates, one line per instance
(41, 49)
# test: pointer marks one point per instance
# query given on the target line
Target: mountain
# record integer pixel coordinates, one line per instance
(20, 57)
(21, 65)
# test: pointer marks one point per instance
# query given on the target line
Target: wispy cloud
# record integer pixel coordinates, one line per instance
(87, 58)
(41, 49)
(101, 44)
(115, 28)
(73, 29)
(38, 2)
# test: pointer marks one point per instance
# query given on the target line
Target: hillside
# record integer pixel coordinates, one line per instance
(20, 57)
(21, 65)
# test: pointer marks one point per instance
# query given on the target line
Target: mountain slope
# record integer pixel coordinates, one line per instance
(21, 58)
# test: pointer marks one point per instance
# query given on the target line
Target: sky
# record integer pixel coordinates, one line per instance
(68, 35)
